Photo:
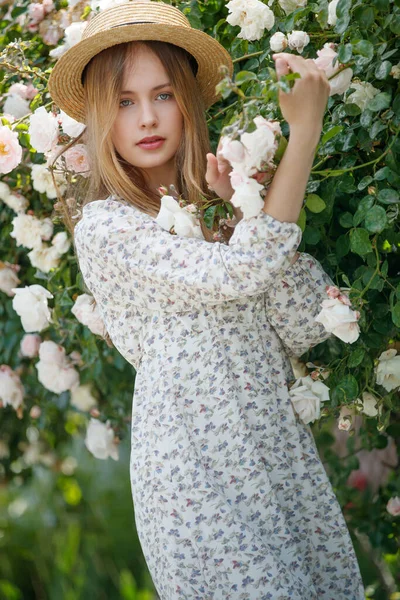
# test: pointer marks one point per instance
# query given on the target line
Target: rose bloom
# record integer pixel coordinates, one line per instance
(298, 40)
(247, 197)
(77, 160)
(339, 319)
(69, 125)
(341, 83)
(278, 42)
(100, 440)
(364, 92)
(306, 396)
(393, 506)
(30, 345)
(43, 130)
(55, 371)
(11, 389)
(332, 17)
(388, 370)
(88, 314)
(82, 397)
(30, 303)
(10, 150)
(252, 16)
(29, 231)
(8, 280)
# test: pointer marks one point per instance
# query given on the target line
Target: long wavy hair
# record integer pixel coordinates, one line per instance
(110, 174)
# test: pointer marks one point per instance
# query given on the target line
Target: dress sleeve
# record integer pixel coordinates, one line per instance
(142, 265)
(294, 301)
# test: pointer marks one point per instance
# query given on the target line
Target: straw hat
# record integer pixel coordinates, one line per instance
(139, 20)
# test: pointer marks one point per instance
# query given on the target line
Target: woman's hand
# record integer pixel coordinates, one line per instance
(217, 175)
(304, 106)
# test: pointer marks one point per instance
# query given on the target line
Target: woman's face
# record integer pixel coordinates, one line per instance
(146, 112)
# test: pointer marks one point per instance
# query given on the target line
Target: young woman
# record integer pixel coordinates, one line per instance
(231, 498)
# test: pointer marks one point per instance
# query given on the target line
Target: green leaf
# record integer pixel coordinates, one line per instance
(346, 220)
(380, 101)
(352, 109)
(311, 236)
(364, 16)
(244, 76)
(365, 181)
(396, 314)
(364, 48)
(395, 25)
(315, 204)
(345, 53)
(346, 389)
(356, 357)
(360, 242)
(383, 69)
(331, 133)
(343, 16)
(388, 196)
(301, 221)
(376, 219)
(363, 207)
(342, 248)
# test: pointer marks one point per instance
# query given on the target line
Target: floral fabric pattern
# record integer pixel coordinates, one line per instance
(231, 499)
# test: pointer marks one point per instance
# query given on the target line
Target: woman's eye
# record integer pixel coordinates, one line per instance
(162, 94)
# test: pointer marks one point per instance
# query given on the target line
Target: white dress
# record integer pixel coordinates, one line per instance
(231, 499)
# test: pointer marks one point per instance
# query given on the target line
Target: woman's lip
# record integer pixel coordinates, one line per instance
(154, 144)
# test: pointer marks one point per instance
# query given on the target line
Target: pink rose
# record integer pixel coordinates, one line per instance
(77, 160)
(35, 412)
(332, 291)
(325, 59)
(10, 150)
(36, 12)
(393, 506)
(30, 345)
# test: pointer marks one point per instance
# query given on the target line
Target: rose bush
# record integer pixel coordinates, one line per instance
(67, 383)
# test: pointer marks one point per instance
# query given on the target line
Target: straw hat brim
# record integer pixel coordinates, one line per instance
(65, 84)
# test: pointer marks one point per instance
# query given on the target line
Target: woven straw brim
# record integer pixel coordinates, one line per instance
(65, 85)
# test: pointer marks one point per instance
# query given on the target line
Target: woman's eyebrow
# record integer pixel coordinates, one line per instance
(158, 87)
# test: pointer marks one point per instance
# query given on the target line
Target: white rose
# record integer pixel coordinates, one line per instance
(55, 371)
(297, 40)
(252, 16)
(395, 72)
(30, 344)
(339, 319)
(344, 424)
(44, 258)
(185, 223)
(30, 303)
(42, 181)
(368, 404)
(73, 33)
(231, 150)
(88, 314)
(43, 130)
(388, 370)
(100, 440)
(61, 242)
(393, 506)
(291, 5)
(5, 190)
(17, 202)
(260, 146)
(247, 198)
(364, 92)
(11, 389)
(69, 125)
(8, 280)
(82, 397)
(16, 106)
(29, 231)
(332, 17)
(278, 42)
(306, 396)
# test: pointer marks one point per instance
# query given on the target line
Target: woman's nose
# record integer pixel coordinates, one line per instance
(148, 114)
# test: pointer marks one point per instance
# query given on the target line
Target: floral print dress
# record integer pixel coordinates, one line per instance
(231, 499)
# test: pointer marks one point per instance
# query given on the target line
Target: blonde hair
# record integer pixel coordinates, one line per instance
(110, 174)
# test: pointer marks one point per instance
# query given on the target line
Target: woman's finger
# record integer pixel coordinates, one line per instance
(297, 64)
